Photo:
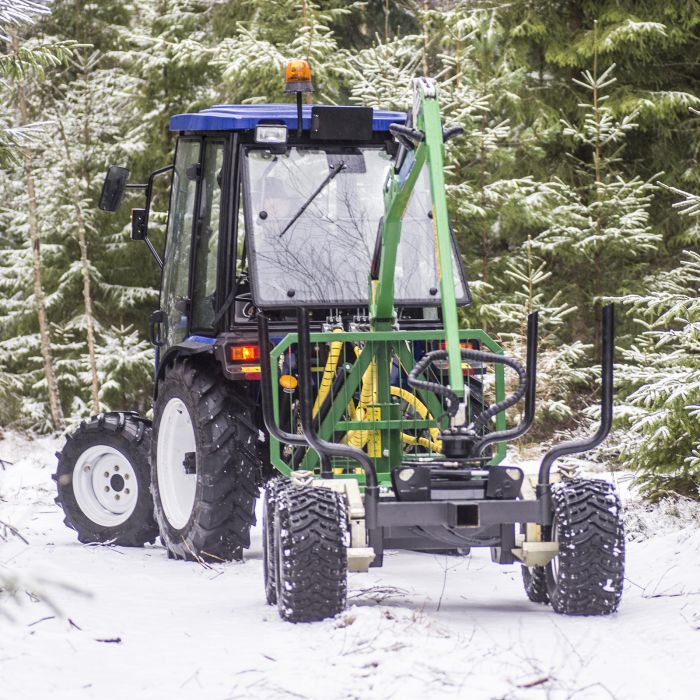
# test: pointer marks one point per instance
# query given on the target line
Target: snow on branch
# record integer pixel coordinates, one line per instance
(16, 12)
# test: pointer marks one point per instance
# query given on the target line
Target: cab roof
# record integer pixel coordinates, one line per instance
(240, 117)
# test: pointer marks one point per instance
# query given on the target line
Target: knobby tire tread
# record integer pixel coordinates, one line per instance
(311, 540)
(591, 557)
(228, 465)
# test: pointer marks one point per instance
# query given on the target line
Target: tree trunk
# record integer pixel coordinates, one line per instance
(81, 228)
(57, 419)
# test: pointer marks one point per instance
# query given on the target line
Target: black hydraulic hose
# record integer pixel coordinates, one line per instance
(266, 388)
(606, 404)
(529, 416)
(451, 398)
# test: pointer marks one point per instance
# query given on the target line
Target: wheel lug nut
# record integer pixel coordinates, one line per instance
(126, 476)
(127, 491)
(106, 488)
(116, 496)
(116, 467)
(106, 475)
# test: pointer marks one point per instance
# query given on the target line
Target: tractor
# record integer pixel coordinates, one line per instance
(308, 343)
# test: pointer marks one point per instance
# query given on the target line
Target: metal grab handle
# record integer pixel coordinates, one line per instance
(266, 388)
(155, 319)
(325, 449)
(530, 391)
(450, 132)
(322, 446)
(606, 404)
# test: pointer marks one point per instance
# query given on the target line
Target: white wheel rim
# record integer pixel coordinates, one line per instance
(175, 440)
(105, 485)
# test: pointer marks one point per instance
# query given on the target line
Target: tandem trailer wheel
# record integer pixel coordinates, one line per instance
(311, 537)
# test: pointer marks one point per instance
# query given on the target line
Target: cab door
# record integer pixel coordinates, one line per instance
(175, 302)
(207, 227)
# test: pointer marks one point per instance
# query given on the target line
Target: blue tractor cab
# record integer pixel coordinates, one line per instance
(275, 205)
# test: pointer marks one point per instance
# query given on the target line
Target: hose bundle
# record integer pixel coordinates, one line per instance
(451, 399)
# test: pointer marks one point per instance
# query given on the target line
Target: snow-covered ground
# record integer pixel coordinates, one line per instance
(138, 625)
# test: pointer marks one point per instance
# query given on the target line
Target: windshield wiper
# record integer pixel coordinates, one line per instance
(303, 207)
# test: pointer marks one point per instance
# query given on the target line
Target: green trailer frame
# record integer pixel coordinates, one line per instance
(377, 344)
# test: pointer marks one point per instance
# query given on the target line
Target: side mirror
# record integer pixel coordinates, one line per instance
(113, 188)
(138, 225)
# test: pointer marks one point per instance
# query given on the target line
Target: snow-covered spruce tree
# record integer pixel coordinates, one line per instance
(253, 60)
(660, 376)
(599, 238)
(494, 200)
(22, 68)
(561, 367)
(95, 296)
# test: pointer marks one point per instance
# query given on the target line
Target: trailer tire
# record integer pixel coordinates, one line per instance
(535, 582)
(311, 535)
(205, 464)
(103, 480)
(587, 576)
(272, 490)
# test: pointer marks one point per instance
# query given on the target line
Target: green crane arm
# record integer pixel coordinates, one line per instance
(428, 151)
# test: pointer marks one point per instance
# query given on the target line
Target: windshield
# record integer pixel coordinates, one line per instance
(320, 254)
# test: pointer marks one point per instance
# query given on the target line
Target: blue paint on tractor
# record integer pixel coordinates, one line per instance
(241, 117)
(201, 339)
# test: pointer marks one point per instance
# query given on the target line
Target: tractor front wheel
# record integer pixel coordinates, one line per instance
(311, 535)
(587, 576)
(104, 479)
(205, 465)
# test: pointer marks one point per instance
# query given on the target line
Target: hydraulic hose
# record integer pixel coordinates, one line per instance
(452, 400)
(328, 373)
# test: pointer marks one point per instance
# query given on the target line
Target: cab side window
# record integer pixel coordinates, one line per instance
(207, 237)
(174, 299)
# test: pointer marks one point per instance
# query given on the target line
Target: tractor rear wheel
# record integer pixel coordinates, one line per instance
(104, 479)
(311, 534)
(205, 465)
(272, 490)
(587, 576)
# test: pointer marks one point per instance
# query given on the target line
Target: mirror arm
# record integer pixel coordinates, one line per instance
(154, 252)
(149, 189)
(135, 186)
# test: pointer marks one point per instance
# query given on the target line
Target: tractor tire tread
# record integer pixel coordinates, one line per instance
(224, 510)
(272, 490)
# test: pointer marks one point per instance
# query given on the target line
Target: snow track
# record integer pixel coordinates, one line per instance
(423, 627)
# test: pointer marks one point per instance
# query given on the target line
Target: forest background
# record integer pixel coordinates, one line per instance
(571, 186)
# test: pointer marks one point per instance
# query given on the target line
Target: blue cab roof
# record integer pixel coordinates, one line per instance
(240, 117)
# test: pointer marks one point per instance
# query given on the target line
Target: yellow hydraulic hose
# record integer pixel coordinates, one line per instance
(328, 373)
(435, 444)
(366, 411)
